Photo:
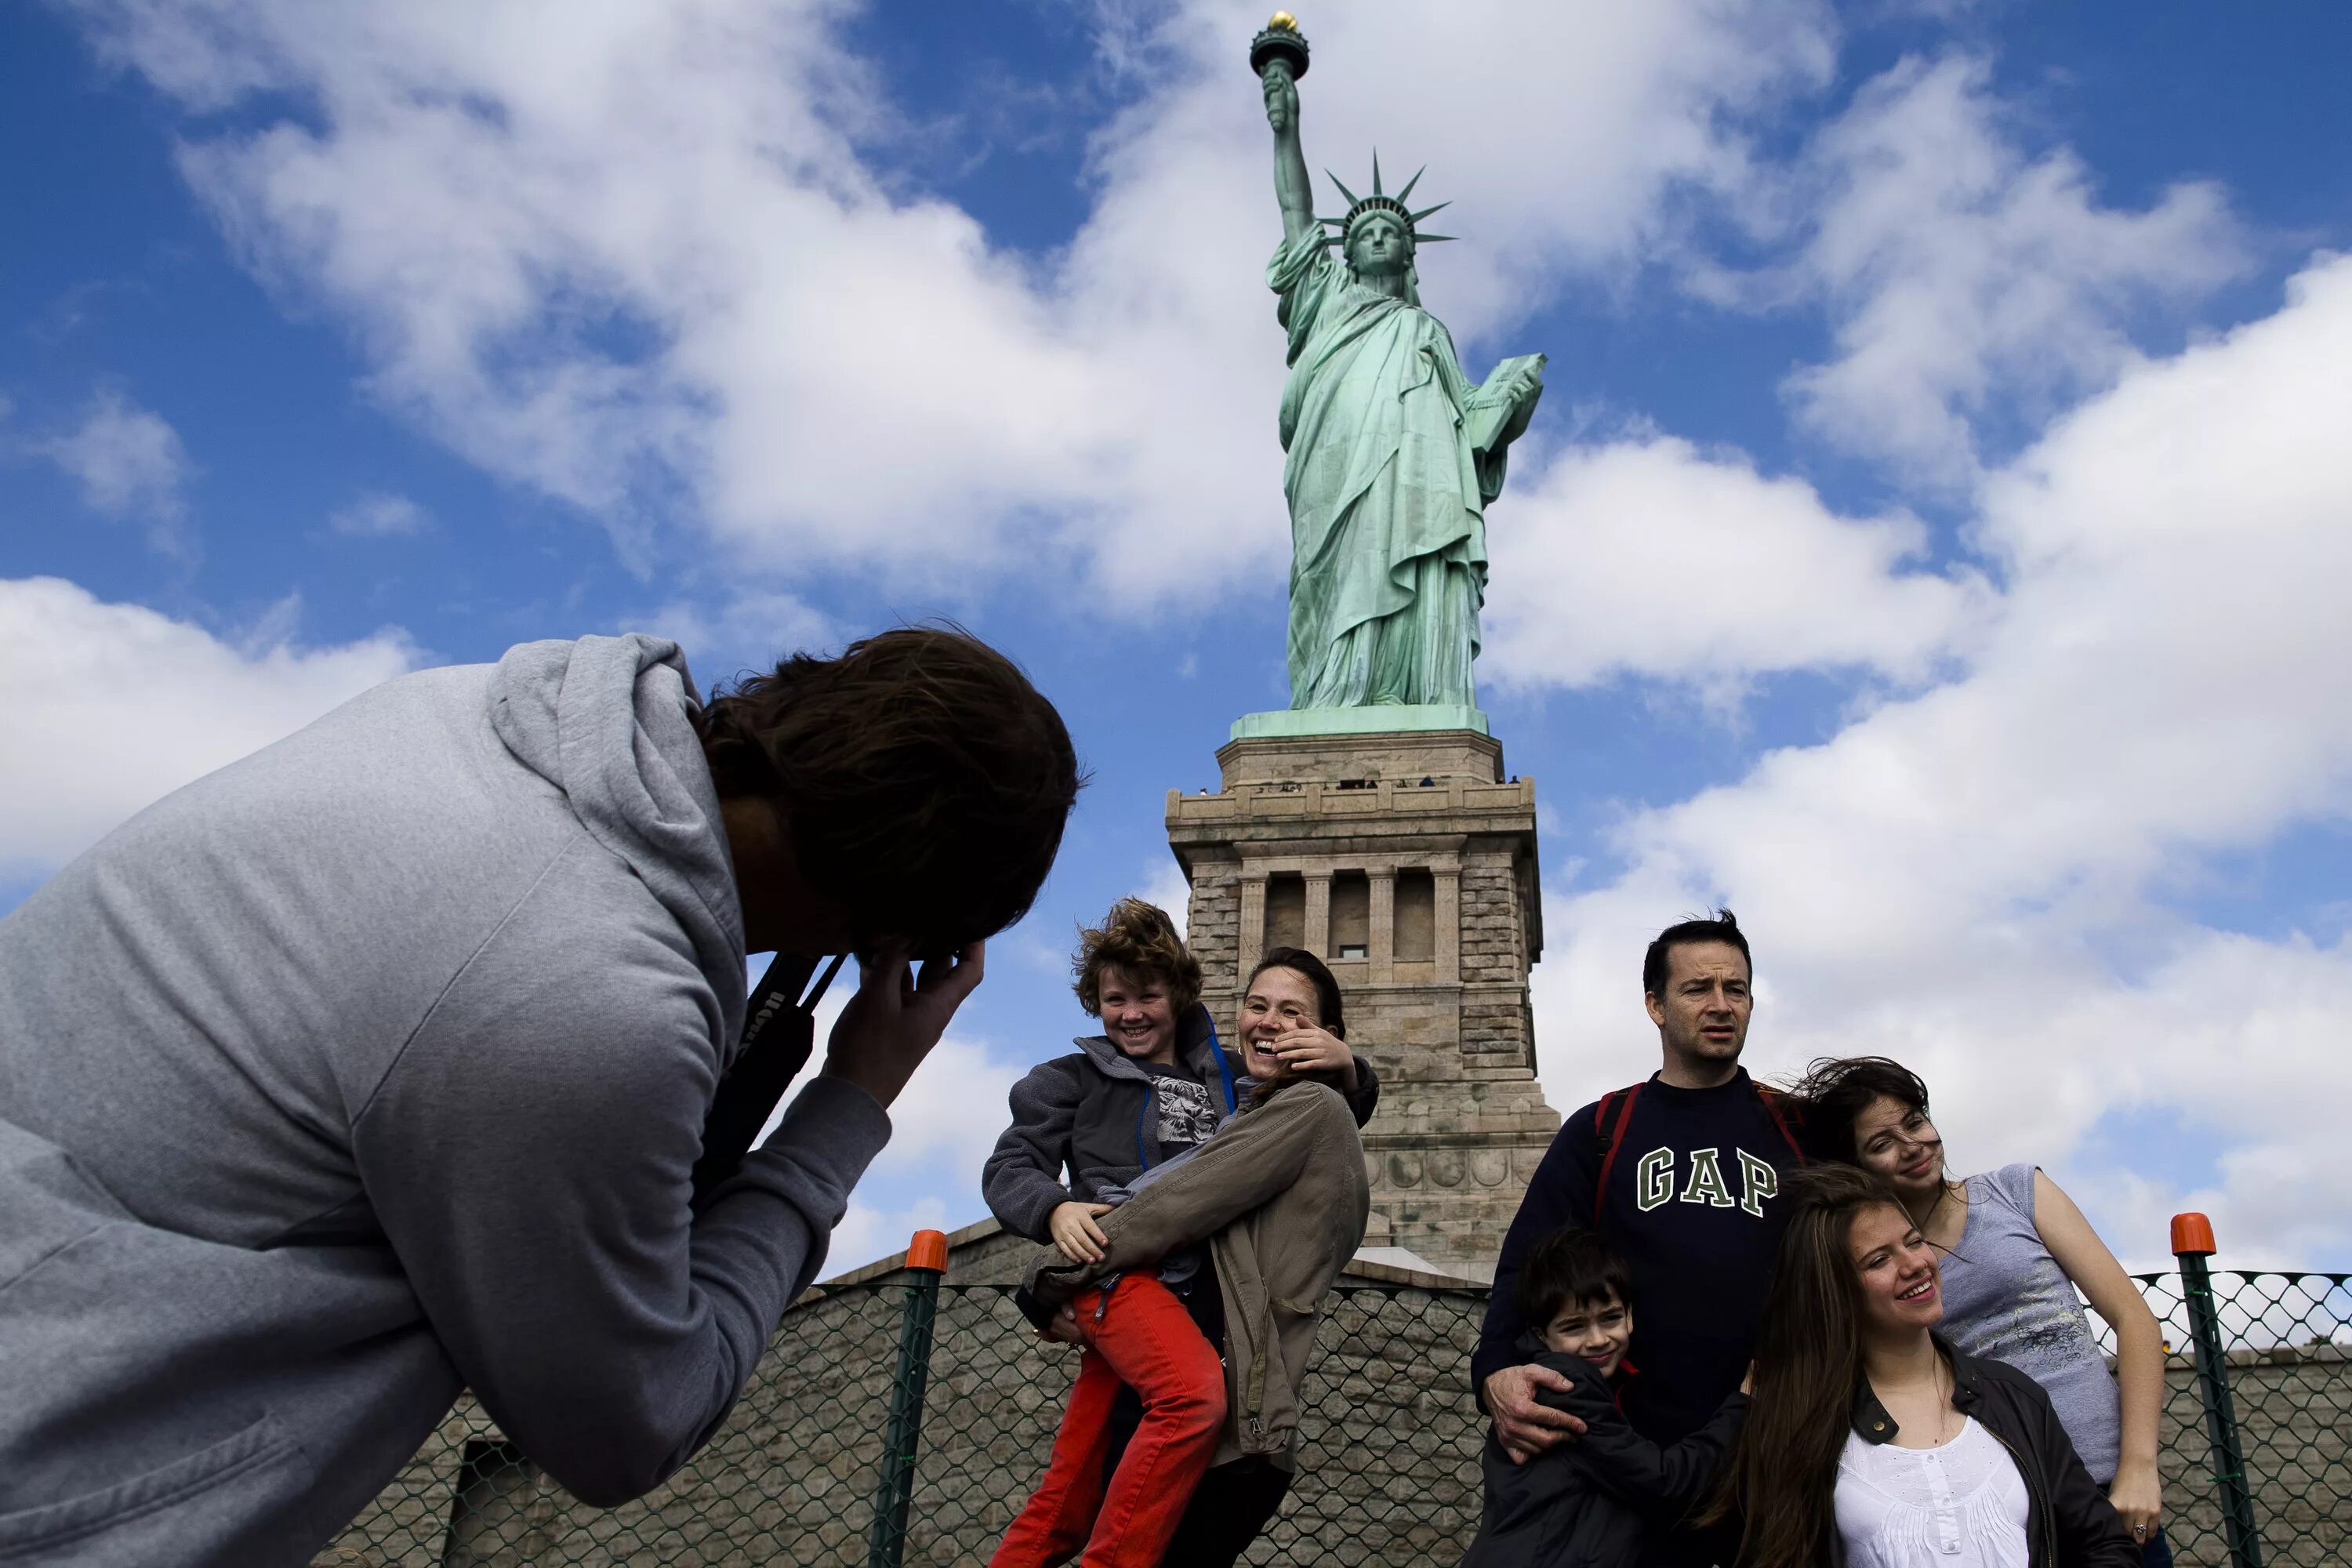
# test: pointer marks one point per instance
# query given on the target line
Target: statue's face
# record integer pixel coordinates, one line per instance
(1378, 248)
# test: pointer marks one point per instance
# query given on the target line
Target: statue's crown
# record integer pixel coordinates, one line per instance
(1394, 207)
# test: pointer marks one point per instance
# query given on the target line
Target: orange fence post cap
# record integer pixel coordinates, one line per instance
(2192, 1233)
(928, 1250)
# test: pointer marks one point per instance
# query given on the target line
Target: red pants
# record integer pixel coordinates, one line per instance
(1146, 1340)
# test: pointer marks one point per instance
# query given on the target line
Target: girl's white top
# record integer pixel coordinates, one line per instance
(1959, 1506)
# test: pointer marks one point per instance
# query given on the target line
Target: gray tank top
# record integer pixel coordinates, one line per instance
(2005, 1299)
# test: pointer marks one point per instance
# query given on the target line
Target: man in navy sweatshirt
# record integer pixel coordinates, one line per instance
(1679, 1172)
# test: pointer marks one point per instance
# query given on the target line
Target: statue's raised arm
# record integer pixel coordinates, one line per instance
(1293, 189)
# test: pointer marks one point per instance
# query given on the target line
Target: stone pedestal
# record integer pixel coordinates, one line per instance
(1408, 862)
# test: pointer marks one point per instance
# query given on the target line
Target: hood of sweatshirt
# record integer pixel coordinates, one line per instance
(1197, 1051)
(609, 722)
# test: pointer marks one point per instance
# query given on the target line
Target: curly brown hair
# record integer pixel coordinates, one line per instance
(1140, 941)
(925, 781)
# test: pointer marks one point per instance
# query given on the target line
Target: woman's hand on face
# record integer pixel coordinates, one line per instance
(2138, 1499)
(1304, 1047)
(1074, 1232)
(1748, 1383)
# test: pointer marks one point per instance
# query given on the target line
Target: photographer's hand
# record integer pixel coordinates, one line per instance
(895, 1019)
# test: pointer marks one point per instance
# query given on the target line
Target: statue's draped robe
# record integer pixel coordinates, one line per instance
(1387, 491)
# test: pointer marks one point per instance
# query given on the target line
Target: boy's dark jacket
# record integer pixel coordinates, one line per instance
(1096, 1111)
(1589, 1502)
(2069, 1523)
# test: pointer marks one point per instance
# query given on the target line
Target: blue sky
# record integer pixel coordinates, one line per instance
(1928, 539)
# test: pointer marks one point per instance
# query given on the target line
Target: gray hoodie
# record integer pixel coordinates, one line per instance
(372, 1066)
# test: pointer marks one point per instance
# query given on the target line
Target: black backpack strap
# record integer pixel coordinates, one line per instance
(1609, 1119)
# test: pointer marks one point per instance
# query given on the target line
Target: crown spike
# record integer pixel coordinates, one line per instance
(1432, 239)
(1376, 171)
(1426, 211)
(1343, 189)
(1407, 193)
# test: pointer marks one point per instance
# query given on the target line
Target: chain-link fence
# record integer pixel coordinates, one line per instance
(2281, 1465)
(1390, 1438)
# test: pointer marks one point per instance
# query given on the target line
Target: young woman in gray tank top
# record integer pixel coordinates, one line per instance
(2015, 1252)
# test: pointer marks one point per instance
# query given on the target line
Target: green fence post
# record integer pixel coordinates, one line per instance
(2193, 1244)
(927, 1258)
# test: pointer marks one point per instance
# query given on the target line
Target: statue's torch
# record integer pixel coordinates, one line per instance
(1280, 40)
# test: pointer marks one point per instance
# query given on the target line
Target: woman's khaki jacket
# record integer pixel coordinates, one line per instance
(1281, 1196)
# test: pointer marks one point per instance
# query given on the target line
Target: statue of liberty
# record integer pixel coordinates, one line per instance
(1393, 453)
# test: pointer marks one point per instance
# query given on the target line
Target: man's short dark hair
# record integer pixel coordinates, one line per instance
(1722, 926)
(925, 781)
(1572, 1268)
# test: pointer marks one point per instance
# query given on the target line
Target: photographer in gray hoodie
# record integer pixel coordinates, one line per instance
(375, 1066)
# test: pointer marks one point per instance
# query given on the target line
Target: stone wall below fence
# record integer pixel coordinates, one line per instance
(1389, 1456)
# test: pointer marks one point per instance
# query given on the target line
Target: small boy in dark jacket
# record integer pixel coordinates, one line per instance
(1588, 1503)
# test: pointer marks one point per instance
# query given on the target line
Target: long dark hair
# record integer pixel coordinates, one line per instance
(1781, 1477)
(1298, 960)
(1836, 1089)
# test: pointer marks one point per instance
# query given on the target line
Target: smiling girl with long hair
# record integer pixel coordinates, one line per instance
(1870, 1442)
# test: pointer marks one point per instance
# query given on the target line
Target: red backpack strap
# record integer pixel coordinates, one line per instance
(1612, 1131)
(1771, 1099)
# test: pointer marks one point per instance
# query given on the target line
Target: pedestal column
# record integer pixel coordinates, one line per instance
(1461, 1120)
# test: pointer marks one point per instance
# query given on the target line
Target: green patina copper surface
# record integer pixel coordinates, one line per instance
(1394, 453)
(1386, 719)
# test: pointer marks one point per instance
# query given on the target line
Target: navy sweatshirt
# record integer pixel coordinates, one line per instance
(1690, 1208)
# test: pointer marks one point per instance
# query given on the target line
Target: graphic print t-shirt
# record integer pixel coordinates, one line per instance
(1188, 1113)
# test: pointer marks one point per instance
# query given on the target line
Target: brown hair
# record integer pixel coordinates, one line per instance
(1781, 1475)
(925, 781)
(1838, 1089)
(1140, 941)
(1572, 1267)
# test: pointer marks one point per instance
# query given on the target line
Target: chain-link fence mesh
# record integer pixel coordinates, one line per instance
(2289, 1351)
(1388, 1463)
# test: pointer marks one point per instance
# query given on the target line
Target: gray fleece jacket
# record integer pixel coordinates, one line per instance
(374, 1066)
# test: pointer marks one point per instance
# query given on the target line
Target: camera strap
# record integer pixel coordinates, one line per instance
(779, 1036)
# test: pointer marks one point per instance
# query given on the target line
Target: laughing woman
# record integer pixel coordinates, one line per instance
(2014, 1251)
(1870, 1442)
(1270, 1209)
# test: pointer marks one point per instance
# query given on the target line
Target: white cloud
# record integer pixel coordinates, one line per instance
(378, 514)
(129, 464)
(840, 374)
(112, 706)
(1649, 558)
(748, 630)
(1963, 276)
(1165, 885)
(941, 1129)
(1987, 879)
